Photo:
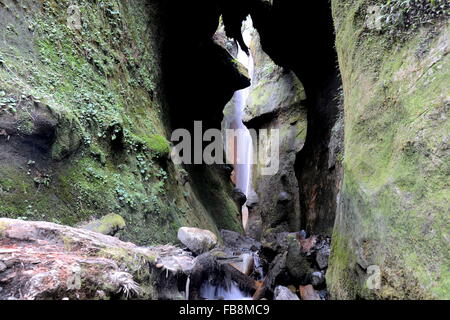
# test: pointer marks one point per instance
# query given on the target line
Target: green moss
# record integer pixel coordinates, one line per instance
(102, 84)
(158, 144)
(341, 283)
(394, 166)
(107, 225)
(3, 227)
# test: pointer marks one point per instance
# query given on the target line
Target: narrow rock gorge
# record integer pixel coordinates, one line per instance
(94, 204)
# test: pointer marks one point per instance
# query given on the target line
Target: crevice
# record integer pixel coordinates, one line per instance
(299, 36)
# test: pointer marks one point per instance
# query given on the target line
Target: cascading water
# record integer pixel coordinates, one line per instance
(242, 149)
(230, 291)
(240, 152)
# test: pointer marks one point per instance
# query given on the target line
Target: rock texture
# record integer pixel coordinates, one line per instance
(275, 102)
(197, 240)
(392, 219)
(108, 225)
(41, 260)
(283, 293)
(308, 293)
(84, 125)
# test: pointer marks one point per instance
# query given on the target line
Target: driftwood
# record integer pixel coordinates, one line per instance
(261, 290)
(244, 282)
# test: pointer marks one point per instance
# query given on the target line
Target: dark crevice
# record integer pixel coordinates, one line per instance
(299, 35)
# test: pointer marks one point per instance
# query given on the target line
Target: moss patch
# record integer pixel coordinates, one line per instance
(395, 192)
(158, 144)
(103, 85)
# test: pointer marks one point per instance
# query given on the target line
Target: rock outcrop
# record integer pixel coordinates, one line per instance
(85, 124)
(276, 102)
(391, 235)
(42, 261)
(283, 293)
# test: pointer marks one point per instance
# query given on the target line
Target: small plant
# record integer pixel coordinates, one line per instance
(42, 179)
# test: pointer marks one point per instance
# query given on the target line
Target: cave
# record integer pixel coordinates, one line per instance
(298, 37)
(346, 100)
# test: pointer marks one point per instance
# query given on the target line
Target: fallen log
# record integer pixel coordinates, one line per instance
(244, 282)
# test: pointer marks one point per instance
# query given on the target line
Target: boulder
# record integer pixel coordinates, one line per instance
(322, 257)
(283, 293)
(42, 260)
(297, 262)
(239, 197)
(317, 279)
(308, 293)
(239, 243)
(197, 240)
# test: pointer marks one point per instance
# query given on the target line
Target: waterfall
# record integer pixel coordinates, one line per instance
(229, 292)
(243, 145)
(240, 152)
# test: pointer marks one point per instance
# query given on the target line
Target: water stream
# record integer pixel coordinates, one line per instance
(240, 151)
(230, 291)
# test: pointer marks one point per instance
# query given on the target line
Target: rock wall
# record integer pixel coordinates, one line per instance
(85, 121)
(312, 57)
(276, 102)
(392, 220)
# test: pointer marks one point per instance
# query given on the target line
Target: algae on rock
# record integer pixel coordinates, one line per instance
(393, 210)
(92, 118)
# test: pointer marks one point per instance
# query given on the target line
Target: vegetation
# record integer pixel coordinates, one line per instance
(394, 186)
(101, 85)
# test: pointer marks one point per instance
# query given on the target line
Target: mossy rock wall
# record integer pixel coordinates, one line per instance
(394, 202)
(83, 121)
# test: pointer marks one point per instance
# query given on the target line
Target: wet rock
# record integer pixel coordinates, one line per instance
(323, 294)
(239, 197)
(239, 243)
(323, 249)
(248, 264)
(284, 197)
(204, 268)
(277, 274)
(274, 244)
(108, 225)
(322, 257)
(253, 199)
(174, 259)
(297, 263)
(303, 235)
(308, 293)
(208, 270)
(197, 240)
(245, 263)
(317, 279)
(283, 293)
